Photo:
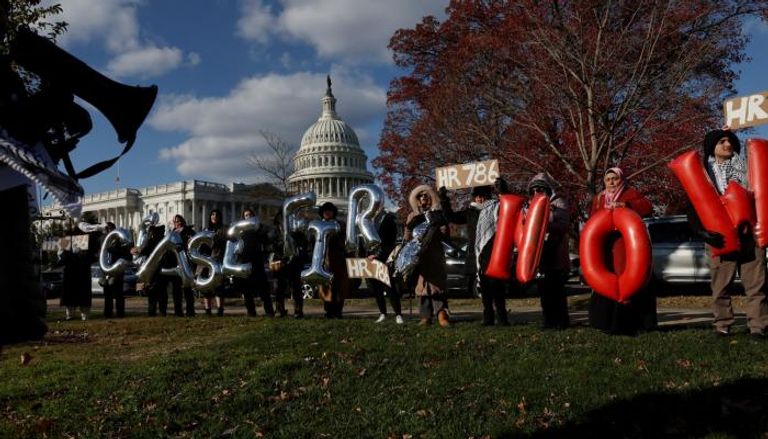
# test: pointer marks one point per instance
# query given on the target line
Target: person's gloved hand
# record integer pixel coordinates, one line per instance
(714, 239)
(442, 193)
(501, 186)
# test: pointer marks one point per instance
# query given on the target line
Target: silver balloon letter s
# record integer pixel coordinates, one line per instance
(215, 276)
(316, 274)
(234, 248)
(364, 223)
(291, 219)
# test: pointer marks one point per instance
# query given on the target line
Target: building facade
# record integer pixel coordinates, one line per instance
(193, 199)
(329, 161)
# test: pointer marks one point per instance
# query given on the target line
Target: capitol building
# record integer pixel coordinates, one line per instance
(329, 161)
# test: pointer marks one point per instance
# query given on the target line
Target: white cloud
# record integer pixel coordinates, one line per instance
(223, 131)
(354, 31)
(145, 62)
(115, 24)
(256, 22)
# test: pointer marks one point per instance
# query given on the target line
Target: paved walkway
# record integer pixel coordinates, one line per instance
(520, 311)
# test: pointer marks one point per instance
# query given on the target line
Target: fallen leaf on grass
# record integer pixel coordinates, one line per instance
(282, 396)
(361, 372)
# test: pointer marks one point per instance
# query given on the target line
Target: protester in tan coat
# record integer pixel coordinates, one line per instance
(432, 279)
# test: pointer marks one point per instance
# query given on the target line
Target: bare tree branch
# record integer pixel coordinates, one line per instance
(277, 164)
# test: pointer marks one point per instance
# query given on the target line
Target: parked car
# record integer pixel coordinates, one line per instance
(129, 280)
(455, 266)
(679, 255)
(51, 282)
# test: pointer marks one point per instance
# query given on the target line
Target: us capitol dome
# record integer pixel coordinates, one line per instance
(329, 161)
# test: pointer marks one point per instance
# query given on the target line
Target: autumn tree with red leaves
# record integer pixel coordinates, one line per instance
(566, 87)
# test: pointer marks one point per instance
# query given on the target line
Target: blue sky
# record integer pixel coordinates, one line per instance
(227, 69)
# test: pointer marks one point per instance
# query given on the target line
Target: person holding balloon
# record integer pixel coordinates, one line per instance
(388, 234)
(287, 269)
(555, 263)
(333, 295)
(256, 283)
(639, 312)
(725, 166)
(219, 229)
(482, 239)
(178, 290)
(432, 277)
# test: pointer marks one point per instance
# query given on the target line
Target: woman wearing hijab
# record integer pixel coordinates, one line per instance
(640, 312)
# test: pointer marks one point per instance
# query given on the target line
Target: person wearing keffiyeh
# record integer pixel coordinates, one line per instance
(493, 290)
(723, 163)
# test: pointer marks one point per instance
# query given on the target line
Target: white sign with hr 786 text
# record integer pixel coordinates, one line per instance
(468, 174)
(746, 111)
(362, 268)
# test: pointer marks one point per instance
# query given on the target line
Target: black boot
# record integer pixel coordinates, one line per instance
(488, 317)
(502, 317)
(280, 305)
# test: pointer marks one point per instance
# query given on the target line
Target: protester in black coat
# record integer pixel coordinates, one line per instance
(186, 232)
(468, 216)
(388, 235)
(253, 253)
(157, 288)
(76, 287)
(216, 252)
(114, 296)
(287, 270)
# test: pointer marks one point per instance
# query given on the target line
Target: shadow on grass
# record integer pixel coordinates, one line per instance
(735, 409)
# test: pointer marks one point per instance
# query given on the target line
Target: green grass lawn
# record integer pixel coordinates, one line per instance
(240, 377)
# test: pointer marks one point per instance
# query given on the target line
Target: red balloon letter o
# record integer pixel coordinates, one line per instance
(615, 286)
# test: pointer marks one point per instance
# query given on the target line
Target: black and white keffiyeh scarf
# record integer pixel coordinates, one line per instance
(733, 169)
(486, 227)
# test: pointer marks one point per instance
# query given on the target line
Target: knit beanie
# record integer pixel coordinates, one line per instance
(712, 137)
